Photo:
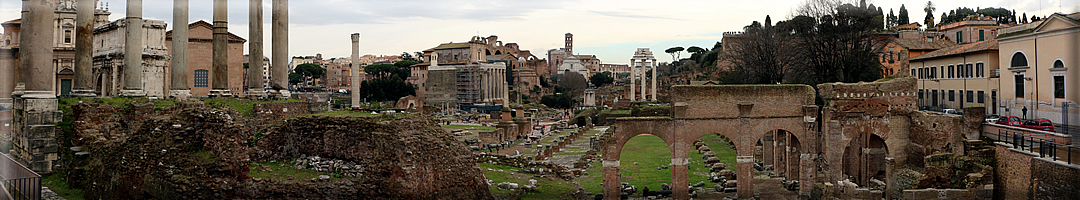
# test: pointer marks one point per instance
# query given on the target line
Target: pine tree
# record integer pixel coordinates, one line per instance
(902, 17)
(768, 21)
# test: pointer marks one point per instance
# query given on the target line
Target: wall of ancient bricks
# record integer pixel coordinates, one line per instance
(1054, 179)
(1013, 178)
(280, 110)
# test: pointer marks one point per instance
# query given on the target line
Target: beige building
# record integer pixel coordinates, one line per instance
(468, 73)
(1040, 69)
(971, 30)
(959, 76)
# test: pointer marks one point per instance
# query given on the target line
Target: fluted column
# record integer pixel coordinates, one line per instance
(36, 44)
(84, 50)
(133, 68)
(354, 71)
(220, 83)
(280, 66)
(179, 76)
(633, 74)
(644, 84)
(654, 72)
(255, 50)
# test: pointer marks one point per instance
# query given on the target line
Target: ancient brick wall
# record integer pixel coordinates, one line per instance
(1055, 179)
(280, 110)
(1013, 177)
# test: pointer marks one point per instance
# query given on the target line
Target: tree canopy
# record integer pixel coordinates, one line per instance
(601, 79)
(309, 69)
(902, 16)
(675, 52)
(390, 88)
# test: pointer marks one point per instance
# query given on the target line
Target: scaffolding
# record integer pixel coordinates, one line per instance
(469, 85)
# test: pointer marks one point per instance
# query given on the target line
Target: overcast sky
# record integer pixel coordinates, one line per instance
(612, 30)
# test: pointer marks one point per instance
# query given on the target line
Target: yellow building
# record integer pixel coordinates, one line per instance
(958, 76)
(1040, 72)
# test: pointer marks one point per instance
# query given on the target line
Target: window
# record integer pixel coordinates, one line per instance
(960, 71)
(979, 68)
(933, 72)
(1019, 60)
(982, 97)
(202, 78)
(970, 96)
(960, 37)
(1019, 80)
(968, 72)
(1059, 87)
(951, 71)
(982, 37)
(920, 94)
(952, 95)
(67, 36)
(912, 72)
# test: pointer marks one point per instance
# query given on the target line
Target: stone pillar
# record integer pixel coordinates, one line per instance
(779, 142)
(220, 80)
(280, 58)
(767, 149)
(255, 50)
(179, 76)
(806, 175)
(36, 109)
(654, 72)
(644, 83)
(8, 75)
(744, 168)
(133, 68)
(633, 74)
(680, 168)
(84, 50)
(612, 187)
(354, 71)
(793, 160)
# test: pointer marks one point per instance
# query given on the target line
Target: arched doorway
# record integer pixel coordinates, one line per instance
(712, 162)
(645, 162)
(865, 160)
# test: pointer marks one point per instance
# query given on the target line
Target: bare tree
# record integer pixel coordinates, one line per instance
(819, 8)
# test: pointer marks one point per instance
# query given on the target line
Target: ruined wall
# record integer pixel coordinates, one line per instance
(1055, 179)
(138, 152)
(407, 157)
(1013, 172)
(280, 110)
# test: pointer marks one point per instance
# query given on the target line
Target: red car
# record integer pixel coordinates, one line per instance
(1008, 121)
(1039, 124)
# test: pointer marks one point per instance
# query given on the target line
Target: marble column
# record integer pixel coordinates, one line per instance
(36, 42)
(255, 50)
(220, 81)
(280, 58)
(654, 72)
(84, 50)
(179, 76)
(645, 68)
(633, 75)
(354, 71)
(133, 68)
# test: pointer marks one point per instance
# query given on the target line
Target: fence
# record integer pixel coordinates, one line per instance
(1044, 147)
(17, 181)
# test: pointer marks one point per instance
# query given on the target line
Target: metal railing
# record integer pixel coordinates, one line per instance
(17, 181)
(1044, 147)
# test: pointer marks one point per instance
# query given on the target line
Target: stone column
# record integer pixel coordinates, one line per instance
(255, 50)
(612, 187)
(354, 71)
(35, 110)
(633, 74)
(84, 50)
(680, 169)
(220, 80)
(654, 72)
(133, 68)
(806, 179)
(644, 83)
(280, 58)
(8, 75)
(179, 76)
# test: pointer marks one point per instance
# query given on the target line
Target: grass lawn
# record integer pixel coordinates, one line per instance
(58, 184)
(278, 172)
(466, 127)
(649, 152)
(547, 188)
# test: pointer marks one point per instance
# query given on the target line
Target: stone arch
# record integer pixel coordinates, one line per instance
(621, 132)
(865, 158)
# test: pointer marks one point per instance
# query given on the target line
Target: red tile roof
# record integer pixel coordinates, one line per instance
(960, 49)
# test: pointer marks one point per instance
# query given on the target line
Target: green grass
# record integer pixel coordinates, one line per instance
(547, 188)
(615, 112)
(279, 172)
(58, 184)
(464, 127)
(649, 152)
(203, 157)
(347, 113)
(243, 106)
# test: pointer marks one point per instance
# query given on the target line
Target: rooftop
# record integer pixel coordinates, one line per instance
(960, 49)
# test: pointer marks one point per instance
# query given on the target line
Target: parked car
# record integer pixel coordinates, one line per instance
(1009, 120)
(992, 118)
(1039, 124)
(952, 112)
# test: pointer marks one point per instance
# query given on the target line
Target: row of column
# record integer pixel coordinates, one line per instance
(494, 85)
(645, 65)
(36, 53)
